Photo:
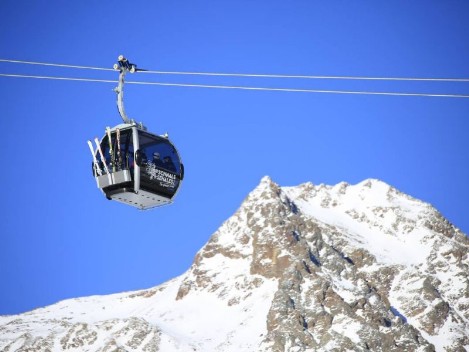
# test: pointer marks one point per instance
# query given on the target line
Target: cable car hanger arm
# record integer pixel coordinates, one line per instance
(123, 66)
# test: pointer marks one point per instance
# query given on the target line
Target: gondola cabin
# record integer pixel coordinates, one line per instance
(137, 168)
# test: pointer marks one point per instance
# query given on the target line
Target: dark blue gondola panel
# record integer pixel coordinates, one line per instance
(160, 165)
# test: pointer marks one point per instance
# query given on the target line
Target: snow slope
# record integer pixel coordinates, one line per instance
(306, 268)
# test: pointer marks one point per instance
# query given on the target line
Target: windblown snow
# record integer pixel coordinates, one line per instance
(305, 268)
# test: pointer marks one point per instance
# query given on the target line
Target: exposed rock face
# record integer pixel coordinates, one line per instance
(306, 268)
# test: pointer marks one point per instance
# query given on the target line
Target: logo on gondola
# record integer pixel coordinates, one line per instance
(166, 179)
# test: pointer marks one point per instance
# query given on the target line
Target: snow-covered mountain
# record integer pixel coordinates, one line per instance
(307, 268)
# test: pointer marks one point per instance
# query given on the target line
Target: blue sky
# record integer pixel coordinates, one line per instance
(61, 238)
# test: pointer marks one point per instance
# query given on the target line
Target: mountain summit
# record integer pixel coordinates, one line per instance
(308, 268)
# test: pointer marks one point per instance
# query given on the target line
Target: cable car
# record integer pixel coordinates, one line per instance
(132, 165)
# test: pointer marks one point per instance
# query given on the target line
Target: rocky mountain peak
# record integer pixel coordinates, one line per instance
(306, 268)
(341, 251)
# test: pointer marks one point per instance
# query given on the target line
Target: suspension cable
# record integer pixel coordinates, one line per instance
(249, 74)
(60, 78)
(240, 87)
(309, 77)
(56, 65)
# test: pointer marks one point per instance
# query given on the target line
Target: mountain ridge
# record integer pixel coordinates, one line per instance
(305, 268)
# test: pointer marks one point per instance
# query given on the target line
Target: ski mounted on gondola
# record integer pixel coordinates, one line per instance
(130, 164)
